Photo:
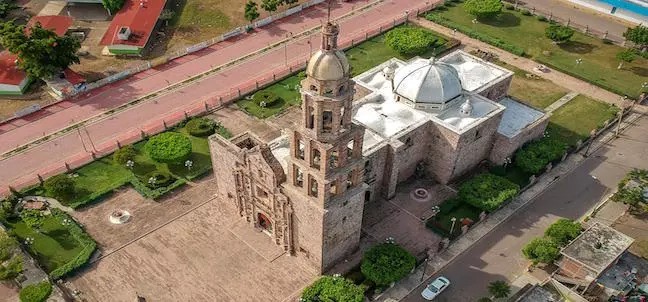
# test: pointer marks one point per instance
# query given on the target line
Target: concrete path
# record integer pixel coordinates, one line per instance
(560, 102)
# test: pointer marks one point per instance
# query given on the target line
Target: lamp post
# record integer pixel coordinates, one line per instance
(188, 164)
(578, 62)
(152, 180)
(507, 161)
(130, 164)
(454, 220)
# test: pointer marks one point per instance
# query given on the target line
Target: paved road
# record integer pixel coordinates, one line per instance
(24, 166)
(497, 256)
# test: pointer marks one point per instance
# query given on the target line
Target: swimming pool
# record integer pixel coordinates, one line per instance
(635, 6)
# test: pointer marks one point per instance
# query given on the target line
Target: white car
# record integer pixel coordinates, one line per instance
(435, 288)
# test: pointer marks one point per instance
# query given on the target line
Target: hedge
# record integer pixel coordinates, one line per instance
(476, 35)
(124, 154)
(88, 244)
(168, 147)
(201, 127)
(143, 188)
(333, 288)
(38, 292)
(409, 40)
(265, 98)
(487, 191)
(386, 263)
(534, 157)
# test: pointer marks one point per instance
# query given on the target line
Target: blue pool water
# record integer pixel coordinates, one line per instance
(629, 6)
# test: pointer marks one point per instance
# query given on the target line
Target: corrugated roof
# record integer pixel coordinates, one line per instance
(57, 24)
(138, 15)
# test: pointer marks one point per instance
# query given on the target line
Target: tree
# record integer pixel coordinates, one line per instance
(541, 250)
(60, 186)
(289, 2)
(251, 11)
(408, 40)
(167, 15)
(487, 191)
(483, 9)
(534, 157)
(169, 147)
(38, 292)
(113, 5)
(10, 260)
(270, 6)
(559, 33)
(333, 288)
(499, 289)
(6, 6)
(563, 231)
(124, 154)
(41, 52)
(386, 263)
(638, 35)
(626, 55)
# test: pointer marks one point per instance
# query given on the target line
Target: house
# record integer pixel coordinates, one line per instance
(132, 26)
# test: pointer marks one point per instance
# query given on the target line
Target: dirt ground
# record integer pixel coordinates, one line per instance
(8, 292)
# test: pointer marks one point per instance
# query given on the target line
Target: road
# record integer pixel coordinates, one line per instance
(21, 168)
(497, 255)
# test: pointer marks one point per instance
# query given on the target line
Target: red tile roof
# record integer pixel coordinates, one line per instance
(57, 24)
(140, 16)
(9, 72)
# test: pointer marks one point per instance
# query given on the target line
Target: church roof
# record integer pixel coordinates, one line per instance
(328, 65)
(426, 81)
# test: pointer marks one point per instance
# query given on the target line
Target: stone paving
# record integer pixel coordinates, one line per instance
(560, 102)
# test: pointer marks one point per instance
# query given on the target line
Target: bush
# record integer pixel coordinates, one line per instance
(88, 244)
(449, 204)
(169, 147)
(509, 6)
(559, 33)
(487, 191)
(124, 154)
(541, 250)
(143, 188)
(201, 127)
(483, 9)
(38, 292)
(332, 288)
(526, 12)
(409, 40)
(535, 156)
(10, 259)
(542, 18)
(563, 231)
(386, 263)
(265, 98)
(60, 186)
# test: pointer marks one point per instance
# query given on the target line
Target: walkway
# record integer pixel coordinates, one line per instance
(148, 115)
(560, 102)
(564, 80)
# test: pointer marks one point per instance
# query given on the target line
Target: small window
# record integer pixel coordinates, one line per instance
(300, 149)
(313, 88)
(349, 181)
(409, 142)
(350, 148)
(333, 160)
(315, 160)
(311, 117)
(327, 121)
(299, 177)
(367, 168)
(313, 187)
(341, 116)
(341, 90)
(333, 188)
(477, 135)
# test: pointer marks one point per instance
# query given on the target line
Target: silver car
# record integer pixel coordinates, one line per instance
(435, 288)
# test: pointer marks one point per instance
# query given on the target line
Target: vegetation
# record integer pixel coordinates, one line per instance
(265, 98)
(541, 250)
(270, 6)
(38, 292)
(456, 208)
(201, 127)
(559, 33)
(11, 264)
(60, 186)
(487, 191)
(333, 288)
(251, 11)
(630, 191)
(124, 154)
(564, 231)
(409, 40)
(575, 120)
(6, 6)
(639, 36)
(535, 156)
(387, 263)
(626, 56)
(113, 6)
(166, 16)
(483, 9)
(499, 289)
(41, 52)
(169, 147)
(534, 91)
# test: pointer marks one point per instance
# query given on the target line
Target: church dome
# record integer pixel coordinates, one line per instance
(426, 81)
(328, 65)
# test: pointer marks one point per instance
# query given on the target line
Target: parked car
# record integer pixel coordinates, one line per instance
(435, 288)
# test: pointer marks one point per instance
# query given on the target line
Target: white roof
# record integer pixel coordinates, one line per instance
(473, 72)
(426, 81)
(280, 148)
(516, 117)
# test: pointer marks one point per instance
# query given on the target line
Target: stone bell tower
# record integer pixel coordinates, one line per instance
(325, 166)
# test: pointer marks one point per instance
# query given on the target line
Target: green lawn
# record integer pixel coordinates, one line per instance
(575, 120)
(362, 57)
(599, 64)
(53, 246)
(536, 92)
(443, 223)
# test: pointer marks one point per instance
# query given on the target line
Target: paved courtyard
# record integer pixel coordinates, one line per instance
(207, 254)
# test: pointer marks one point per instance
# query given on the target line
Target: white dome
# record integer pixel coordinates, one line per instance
(426, 81)
(328, 65)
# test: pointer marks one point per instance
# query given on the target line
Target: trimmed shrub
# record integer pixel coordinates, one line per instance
(535, 156)
(559, 33)
(386, 263)
(88, 244)
(201, 127)
(265, 98)
(541, 250)
(408, 40)
(526, 12)
(60, 186)
(563, 231)
(38, 292)
(124, 154)
(161, 179)
(487, 191)
(332, 288)
(168, 147)
(154, 193)
(483, 9)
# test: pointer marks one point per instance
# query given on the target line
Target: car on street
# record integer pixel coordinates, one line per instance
(435, 288)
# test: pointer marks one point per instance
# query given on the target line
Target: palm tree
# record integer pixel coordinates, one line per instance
(499, 289)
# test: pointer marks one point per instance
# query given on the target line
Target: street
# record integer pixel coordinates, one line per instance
(497, 256)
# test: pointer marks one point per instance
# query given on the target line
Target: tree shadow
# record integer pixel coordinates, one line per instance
(63, 237)
(505, 19)
(141, 169)
(577, 47)
(640, 71)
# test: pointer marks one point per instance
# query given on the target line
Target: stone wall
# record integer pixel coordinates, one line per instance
(441, 155)
(498, 90)
(307, 222)
(475, 145)
(505, 147)
(416, 146)
(224, 157)
(374, 172)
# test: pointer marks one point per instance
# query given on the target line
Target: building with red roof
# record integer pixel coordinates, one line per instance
(57, 24)
(132, 26)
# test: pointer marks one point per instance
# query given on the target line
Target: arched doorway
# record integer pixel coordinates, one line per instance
(264, 222)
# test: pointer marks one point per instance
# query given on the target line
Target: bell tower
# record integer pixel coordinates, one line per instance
(325, 165)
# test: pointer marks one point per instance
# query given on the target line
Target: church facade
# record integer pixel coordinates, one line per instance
(359, 138)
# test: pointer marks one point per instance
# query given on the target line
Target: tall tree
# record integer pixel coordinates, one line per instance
(113, 6)
(270, 5)
(563, 231)
(251, 11)
(639, 36)
(541, 250)
(41, 52)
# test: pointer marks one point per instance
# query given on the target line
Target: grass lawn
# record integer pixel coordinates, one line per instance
(575, 120)
(53, 246)
(536, 92)
(443, 221)
(362, 57)
(599, 64)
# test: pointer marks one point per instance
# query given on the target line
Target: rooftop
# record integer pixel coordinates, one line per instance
(474, 73)
(598, 247)
(517, 116)
(57, 24)
(9, 72)
(535, 293)
(139, 17)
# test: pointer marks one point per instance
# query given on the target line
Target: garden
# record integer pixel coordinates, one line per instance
(362, 57)
(575, 53)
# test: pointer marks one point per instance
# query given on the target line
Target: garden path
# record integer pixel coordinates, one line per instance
(562, 101)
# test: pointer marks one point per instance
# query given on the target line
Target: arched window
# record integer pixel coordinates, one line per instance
(313, 88)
